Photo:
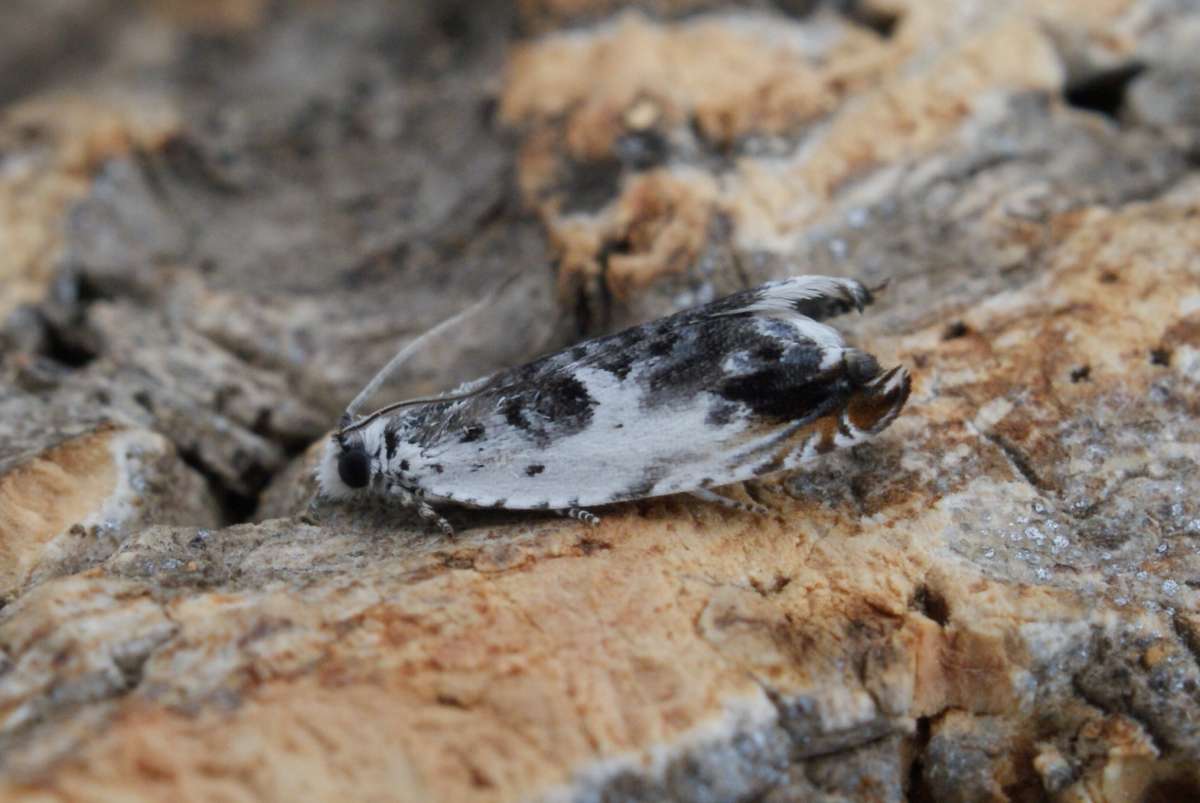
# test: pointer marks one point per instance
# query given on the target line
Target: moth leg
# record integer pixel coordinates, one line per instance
(430, 515)
(579, 514)
(731, 504)
(409, 499)
(313, 513)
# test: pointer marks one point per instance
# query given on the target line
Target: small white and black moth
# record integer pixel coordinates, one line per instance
(745, 386)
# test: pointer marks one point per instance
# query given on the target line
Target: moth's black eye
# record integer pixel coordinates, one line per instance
(354, 468)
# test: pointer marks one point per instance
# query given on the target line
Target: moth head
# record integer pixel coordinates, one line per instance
(354, 467)
(345, 466)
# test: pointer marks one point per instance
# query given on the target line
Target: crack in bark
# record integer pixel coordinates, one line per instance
(1018, 460)
(1188, 637)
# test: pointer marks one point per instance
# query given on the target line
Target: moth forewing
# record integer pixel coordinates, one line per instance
(743, 387)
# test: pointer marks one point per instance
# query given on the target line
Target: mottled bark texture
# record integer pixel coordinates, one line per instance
(218, 218)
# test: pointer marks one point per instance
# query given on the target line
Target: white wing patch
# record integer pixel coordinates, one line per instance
(810, 288)
(626, 452)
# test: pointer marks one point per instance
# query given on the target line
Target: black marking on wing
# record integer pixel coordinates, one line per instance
(390, 440)
(515, 414)
(564, 401)
(777, 371)
(472, 433)
(618, 363)
(784, 396)
(663, 344)
(542, 400)
(721, 412)
(825, 307)
(621, 352)
(534, 469)
(768, 352)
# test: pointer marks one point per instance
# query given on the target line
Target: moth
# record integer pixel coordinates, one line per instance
(745, 386)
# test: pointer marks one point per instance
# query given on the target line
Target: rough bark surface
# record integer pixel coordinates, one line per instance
(217, 219)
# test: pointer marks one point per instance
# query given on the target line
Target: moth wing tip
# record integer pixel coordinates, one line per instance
(894, 381)
(879, 401)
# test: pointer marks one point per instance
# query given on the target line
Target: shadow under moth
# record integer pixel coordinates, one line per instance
(745, 386)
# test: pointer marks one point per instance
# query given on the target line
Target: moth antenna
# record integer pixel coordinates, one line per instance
(349, 425)
(412, 348)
